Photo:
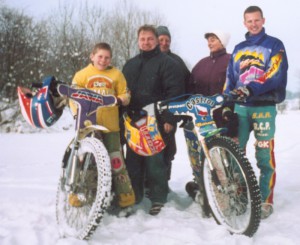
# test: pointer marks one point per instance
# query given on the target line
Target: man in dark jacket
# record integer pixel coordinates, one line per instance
(151, 76)
(164, 38)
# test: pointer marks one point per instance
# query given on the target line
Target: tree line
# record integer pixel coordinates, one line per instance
(60, 44)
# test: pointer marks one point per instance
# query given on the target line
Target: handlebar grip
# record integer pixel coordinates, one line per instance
(230, 97)
(161, 106)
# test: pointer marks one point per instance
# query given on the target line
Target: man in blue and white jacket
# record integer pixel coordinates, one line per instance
(257, 75)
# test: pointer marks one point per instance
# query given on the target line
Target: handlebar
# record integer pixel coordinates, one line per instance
(187, 102)
(81, 95)
(196, 106)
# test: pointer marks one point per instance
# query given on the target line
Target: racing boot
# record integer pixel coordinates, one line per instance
(74, 200)
(192, 188)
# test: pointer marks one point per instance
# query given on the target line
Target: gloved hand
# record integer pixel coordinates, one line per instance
(227, 114)
(230, 121)
(241, 93)
(184, 121)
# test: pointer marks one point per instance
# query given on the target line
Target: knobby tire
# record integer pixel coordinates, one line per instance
(238, 208)
(81, 222)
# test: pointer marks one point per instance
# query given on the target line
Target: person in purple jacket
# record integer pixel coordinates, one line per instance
(209, 74)
(257, 75)
(208, 78)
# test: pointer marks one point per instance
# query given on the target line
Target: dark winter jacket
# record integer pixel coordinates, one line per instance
(153, 76)
(185, 70)
(209, 74)
(260, 63)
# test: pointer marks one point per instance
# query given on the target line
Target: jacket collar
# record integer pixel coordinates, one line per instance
(256, 38)
(218, 53)
(151, 53)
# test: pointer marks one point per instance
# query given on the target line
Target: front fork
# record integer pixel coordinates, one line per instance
(73, 165)
(212, 169)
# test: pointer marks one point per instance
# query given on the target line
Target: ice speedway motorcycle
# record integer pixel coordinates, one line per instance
(86, 169)
(227, 184)
(228, 188)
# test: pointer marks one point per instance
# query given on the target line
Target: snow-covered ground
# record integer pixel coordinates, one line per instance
(29, 171)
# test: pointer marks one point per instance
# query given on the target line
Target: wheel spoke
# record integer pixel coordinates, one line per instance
(232, 206)
(81, 206)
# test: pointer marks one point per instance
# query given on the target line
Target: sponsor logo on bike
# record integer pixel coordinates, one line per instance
(201, 124)
(87, 96)
(176, 106)
(199, 100)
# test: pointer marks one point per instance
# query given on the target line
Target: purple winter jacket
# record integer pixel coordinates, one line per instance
(209, 74)
(208, 78)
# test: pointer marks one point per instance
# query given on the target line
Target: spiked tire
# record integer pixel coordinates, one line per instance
(238, 205)
(92, 188)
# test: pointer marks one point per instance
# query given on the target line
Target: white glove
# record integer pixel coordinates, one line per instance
(240, 93)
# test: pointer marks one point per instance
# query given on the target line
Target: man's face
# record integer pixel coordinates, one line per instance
(147, 41)
(254, 22)
(164, 43)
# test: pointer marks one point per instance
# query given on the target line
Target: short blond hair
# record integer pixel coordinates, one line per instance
(102, 45)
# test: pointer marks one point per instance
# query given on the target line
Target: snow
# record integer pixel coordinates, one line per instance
(29, 172)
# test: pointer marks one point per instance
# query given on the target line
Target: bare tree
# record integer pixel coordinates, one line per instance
(68, 45)
(60, 45)
(124, 22)
(75, 30)
(22, 50)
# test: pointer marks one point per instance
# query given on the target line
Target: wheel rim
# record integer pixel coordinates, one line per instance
(76, 218)
(93, 188)
(233, 208)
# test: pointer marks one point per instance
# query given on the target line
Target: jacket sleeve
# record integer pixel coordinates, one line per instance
(230, 81)
(172, 79)
(275, 76)
(122, 91)
(77, 81)
(173, 85)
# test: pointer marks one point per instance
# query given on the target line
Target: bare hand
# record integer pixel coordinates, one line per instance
(168, 127)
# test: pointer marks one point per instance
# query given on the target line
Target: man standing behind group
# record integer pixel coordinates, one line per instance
(164, 38)
(151, 76)
(257, 74)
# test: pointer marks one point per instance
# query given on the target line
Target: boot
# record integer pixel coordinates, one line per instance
(192, 188)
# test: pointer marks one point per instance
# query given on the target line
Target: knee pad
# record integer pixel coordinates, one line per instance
(117, 161)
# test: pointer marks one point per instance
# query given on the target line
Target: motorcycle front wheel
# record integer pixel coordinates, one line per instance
(237, 206)
(80, 206)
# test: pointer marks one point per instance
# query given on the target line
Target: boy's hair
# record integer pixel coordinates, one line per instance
(252, 9)
(150, 28)
(102, 45)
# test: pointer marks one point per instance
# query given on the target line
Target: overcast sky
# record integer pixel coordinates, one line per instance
(188, 20)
